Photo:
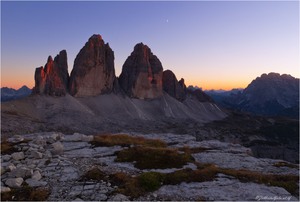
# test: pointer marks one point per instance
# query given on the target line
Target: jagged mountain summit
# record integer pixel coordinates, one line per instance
(173, 87)
(282, 90)
(94, 71)
(93, 99)
(54, 77)
(141, 75)
(270, 94)
(93, 74)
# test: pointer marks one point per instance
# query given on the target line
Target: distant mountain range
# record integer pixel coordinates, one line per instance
(270, 94)
(222, 97)
(8, 94)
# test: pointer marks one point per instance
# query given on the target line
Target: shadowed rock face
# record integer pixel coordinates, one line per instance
(93, 72)
(141, 75)
(273, 87)
(200, 95)
(53, 78)
(172, 86)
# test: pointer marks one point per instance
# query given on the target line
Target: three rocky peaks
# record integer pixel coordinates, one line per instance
(93, 74)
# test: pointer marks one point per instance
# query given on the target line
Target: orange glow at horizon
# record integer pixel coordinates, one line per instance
(17, 83)
(209, 84)
(220, 84)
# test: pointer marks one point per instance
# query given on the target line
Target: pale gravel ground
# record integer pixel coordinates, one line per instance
(111, 113)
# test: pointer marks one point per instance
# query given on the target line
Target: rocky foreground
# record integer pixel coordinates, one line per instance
(79, 167)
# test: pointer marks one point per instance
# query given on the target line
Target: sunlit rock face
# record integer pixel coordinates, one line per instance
(141, 75)
(173, 87)
(53, 78)
(93, 72)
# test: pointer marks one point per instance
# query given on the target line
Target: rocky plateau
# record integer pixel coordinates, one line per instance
(58, 162)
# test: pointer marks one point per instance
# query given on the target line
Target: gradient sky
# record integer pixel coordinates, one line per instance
(214, 45)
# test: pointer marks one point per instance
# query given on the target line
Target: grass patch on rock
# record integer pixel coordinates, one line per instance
(119, 178)
(135, 187)
(132, 188)
(288, 182)
(154, 158)
(26, 193)
(193, 150)
(154, 154)
(7, 147)
(152, 181)
(125, 141)
(203, 174)
(285, 164)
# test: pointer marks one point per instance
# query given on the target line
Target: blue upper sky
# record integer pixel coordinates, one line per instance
(210, 44)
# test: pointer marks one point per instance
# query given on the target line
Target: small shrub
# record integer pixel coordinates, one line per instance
(290, 186)
(125, 141)
(132, 188)
(178, 176)
(39, 194)
(150, 181)
(7, 147)
(205, 174)
(188, 175)
(154, 158)
(119, 178)
(26, 193)
(135, 187)
(94, 174)
(7, 196)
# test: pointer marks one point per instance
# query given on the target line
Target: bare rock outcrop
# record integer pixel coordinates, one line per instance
(93, 72)
(53, 78)
(199, 95)
(141, 75)
(173, 87)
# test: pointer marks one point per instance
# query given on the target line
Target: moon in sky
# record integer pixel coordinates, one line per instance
(167, 20)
